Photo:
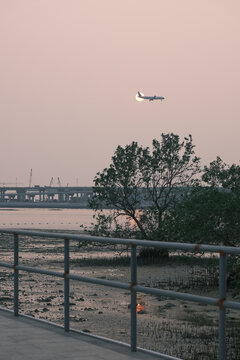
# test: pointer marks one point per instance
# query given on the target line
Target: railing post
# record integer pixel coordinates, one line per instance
(66, 284)
(133, 298)
(15, 301)
(222, 353)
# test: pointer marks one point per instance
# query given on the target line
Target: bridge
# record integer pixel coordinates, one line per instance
(46, 196)
(69, 196)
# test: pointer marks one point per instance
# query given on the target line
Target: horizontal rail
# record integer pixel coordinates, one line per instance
(148, 243)
(7, 265)
(231, 304)
(176, 295)
(39, 271)
(110, 283)
(126, 286)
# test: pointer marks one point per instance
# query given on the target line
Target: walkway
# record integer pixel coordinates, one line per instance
(27, 339)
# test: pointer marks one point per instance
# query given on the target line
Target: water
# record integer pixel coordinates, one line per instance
(49, 219)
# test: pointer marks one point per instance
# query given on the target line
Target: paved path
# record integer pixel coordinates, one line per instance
(27, 339)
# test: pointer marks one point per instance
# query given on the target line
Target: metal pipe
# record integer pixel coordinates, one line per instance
(7, 265)
(147, 243)
(231, 305)
(66, 284)
(133, 299)
(15, 301)
(110, 283)
(177, 295)
(222, 352)
(40, 271)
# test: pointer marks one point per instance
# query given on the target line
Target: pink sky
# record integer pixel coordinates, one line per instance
(70, 71)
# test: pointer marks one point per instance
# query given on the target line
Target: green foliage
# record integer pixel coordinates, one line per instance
(151, 254)
(157, 193)
(141, 185)
(219, 174)
(233, 280)
(209, 215)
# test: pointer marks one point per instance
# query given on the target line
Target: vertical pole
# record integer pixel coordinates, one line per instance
(133, 298)
(66, 284)
(15, 301)
(222, 353)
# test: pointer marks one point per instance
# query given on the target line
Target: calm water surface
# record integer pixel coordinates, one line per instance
(54, 219)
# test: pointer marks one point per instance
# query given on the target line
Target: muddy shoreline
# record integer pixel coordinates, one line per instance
(177, 328)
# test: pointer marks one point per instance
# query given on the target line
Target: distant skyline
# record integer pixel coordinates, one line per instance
(70, 71)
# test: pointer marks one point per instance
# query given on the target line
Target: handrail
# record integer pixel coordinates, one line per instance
(133, 287)
(149, 243)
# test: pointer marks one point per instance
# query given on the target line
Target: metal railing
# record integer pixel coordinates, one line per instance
(222, 303)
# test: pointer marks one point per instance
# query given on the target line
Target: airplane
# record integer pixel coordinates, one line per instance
(141, 97)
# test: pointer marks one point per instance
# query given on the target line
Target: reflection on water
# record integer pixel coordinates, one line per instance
(54, 219)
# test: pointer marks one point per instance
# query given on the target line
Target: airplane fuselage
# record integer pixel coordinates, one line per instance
(150, 98)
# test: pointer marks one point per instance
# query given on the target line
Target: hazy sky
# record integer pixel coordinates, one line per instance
(70, 69)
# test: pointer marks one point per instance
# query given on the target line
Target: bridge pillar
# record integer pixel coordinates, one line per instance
(21, 194)
(2, 194)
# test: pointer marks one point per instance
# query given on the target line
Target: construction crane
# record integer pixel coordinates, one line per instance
(59, 182)
(30, 178)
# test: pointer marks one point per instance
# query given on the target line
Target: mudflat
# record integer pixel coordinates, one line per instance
(178, 328)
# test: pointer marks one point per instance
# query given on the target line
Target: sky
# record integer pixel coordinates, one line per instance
(70, 70)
